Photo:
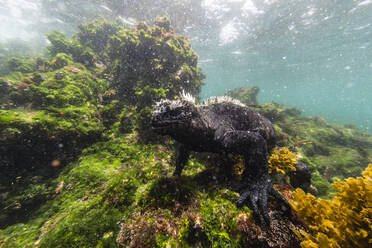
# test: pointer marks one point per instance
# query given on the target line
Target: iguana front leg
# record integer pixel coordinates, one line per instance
(256, 180)
(181, 159)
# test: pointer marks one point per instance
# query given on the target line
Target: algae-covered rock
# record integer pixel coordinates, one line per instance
(48, 109)
(142, 64)
(60, 44)
(15, 55)
(46, 118)
(149, 63)
(96, 35)
(76, 171)
(20, 65)
(247, 96)
(61, 60)
(331, 151)
(68, 102)
(45, 121)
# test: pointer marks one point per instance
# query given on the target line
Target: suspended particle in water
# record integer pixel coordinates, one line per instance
(56, 163)
(349, 85)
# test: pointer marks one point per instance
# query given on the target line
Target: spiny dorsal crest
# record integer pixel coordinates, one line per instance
(187, 96)
(212, 100)
(172, 104)
(183, 96)
(222, 99)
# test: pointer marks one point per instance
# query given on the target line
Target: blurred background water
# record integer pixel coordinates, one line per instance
(314, 55)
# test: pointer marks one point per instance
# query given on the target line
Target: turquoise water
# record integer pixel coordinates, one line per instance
(314, 55)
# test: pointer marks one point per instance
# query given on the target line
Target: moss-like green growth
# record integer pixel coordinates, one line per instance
(80, 174)
(20, 65)
(71, 85)
(277, 112)
(61, 60)
(38, 142)
(88, 198)
(58, 107)
(15, 56)
(152, 62)
(334, 152)
(66, 197)
(97, 34)
(60, 44)
(247, 96)
(169, 192)
(46, 119)
(143, 64)
(219, 221)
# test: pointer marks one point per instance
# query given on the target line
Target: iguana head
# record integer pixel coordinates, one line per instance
(171, 116)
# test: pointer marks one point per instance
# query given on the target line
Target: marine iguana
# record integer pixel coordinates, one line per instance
(226, 126)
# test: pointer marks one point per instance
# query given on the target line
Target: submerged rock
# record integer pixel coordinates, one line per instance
(301, 177)
(76, 171)
(330, 151)
(247, 96)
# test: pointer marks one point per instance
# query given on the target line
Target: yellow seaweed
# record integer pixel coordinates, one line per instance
(344, 221)
(282, 161)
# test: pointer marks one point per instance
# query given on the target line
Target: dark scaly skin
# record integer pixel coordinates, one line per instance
(224, 128)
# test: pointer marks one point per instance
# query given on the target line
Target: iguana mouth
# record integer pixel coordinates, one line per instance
(167, 124)
(165, 127)
(159, 127)
(156, 122)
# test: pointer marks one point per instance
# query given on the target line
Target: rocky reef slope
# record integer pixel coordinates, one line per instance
(81, 168)
(331, 151)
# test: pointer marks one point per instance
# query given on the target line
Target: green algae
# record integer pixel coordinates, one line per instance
(247, 96)
(20, 65)
(15, 55)
(332, 151)
(61, 60)
(73, 184)
(60, 44)
(119, 178)
(108, 185)
(97, 34)
(219, 223)
(94, 190)
(156, 63)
